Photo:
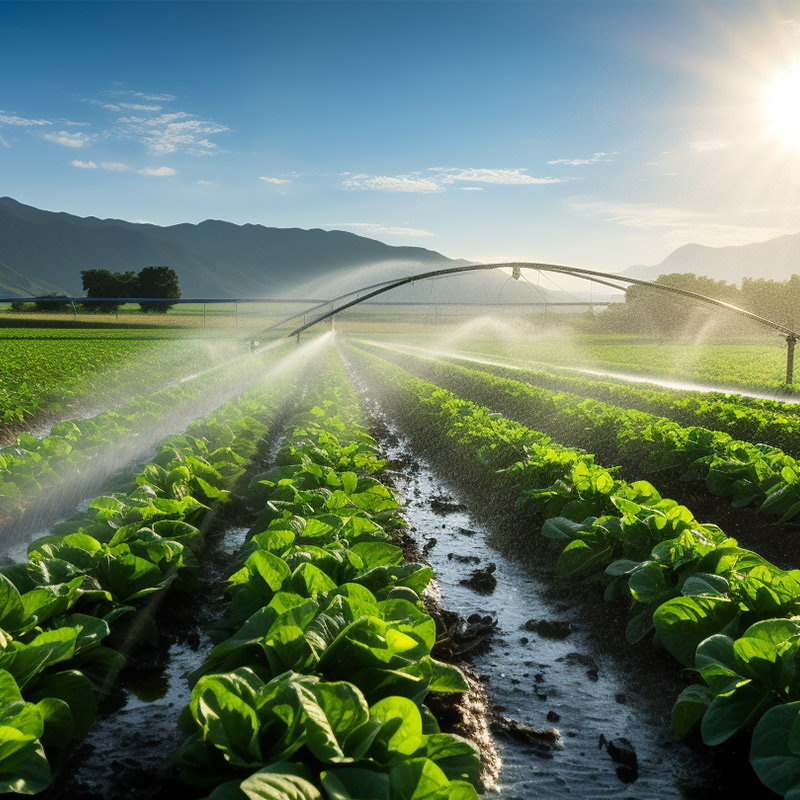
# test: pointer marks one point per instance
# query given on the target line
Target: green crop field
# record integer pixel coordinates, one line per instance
(395, 567)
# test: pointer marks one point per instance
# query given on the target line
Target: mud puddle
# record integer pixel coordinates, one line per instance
(126, 751)
(544, 671)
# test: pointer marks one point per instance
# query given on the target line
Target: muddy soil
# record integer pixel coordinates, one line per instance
(126, 752)
(574, 710)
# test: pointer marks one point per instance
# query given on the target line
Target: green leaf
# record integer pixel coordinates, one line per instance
(738, 710)
(458, 758)
(21, 724)
(418, 779)
(461, 790)
(689, 708)
(128, 577)
(9, 691)
(335, 711)
(57, 719)
(12, 612)
(26, 771)
(446, 678)
(683, 622)
(281, 780)
(44, 650)
(401, 734)
(223, 707)
(75, 689)
(623, 566)
(309, 581)
(349, 482)
(355, 783)
(777, 767)
(578, 558)
(106, 507)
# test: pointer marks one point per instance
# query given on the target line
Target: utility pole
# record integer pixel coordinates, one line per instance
(790, 342)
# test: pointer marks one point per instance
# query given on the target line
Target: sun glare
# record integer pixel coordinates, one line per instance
(783, 105)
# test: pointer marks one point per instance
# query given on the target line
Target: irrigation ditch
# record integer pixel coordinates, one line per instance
(574, 709)
(125, 753)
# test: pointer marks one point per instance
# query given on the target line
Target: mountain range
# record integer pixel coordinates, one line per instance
(775, 259)
(44, 251)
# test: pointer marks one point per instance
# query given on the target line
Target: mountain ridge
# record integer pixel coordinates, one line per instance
(212, 258)
(772, 259)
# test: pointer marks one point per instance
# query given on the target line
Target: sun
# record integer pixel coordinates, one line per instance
(782, 105)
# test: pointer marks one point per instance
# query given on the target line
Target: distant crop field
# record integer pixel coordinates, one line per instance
(759, 365)
(52, 370)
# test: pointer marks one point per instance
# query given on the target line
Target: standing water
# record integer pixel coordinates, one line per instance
(550, 677)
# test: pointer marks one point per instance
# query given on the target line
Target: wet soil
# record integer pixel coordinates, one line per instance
(126, 753)
(574, 709)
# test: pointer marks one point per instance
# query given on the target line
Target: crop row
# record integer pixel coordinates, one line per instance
(317, 684)
(752, 366)
(52, 376)
(721, 610)
(749, 418)
(35, 465)
(746, 473)
(58, 606)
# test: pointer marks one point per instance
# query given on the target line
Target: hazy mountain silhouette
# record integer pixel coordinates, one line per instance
(776, 259)
(45, 251)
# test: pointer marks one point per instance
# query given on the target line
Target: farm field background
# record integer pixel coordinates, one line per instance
(446, 507)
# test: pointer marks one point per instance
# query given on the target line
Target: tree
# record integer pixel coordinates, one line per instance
(103, 283)
(58, 305)
(158, 282)
(651, 311)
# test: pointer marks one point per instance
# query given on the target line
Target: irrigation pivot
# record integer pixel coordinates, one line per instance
(790, 335)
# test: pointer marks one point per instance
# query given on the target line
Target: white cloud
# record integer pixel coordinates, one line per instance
(276, 181)
(4, 142)
(135, 107)
(161, 132)
(792, 25)
(635, 215)
(471, 188)
(159, 172)
(84, 164)
(679, 226)
(709, 145)
(379, 227)
(114, 166)
(597, 158)
(498, 176)
(441, 178)
(207, 183)
(167, 133)
(156, 98)
(413, 182)
(66, 139)
(14, 119)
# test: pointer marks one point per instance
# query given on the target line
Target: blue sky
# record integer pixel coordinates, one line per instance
(598, 134)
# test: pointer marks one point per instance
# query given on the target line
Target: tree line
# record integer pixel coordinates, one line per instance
(160, 282)
(649, 310)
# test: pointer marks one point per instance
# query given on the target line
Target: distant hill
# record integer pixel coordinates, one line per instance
(45, 251)
(215, 259)
(776, 259)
